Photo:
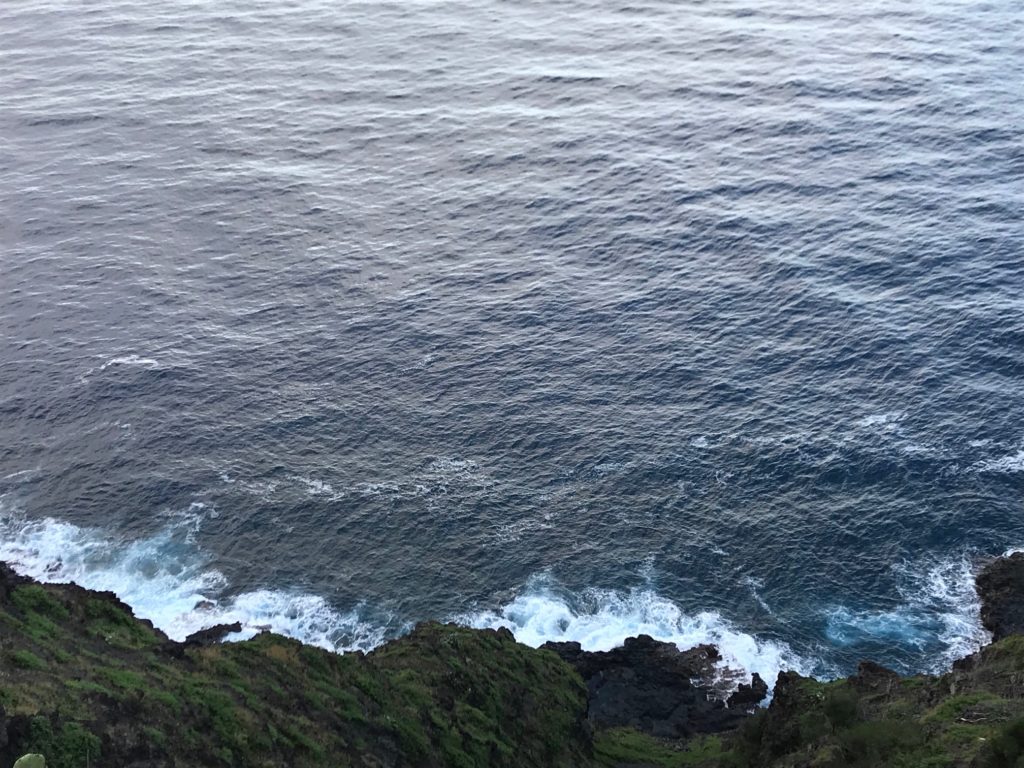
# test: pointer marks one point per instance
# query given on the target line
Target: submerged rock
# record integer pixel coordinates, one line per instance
(1000, 585)
(30, 761)
(656, 688)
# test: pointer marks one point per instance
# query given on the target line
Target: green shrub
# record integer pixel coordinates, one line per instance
(69, 747)
(626, 746)
(33, 598)
(1006, 749)
(875, 743)
(89, 687)
(841, 707)
(122, 678)
(26, 660)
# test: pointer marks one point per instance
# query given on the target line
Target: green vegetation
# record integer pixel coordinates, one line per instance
(618, 746)
(26, 660)
(84, 683)
(98, 687)
(68, 744)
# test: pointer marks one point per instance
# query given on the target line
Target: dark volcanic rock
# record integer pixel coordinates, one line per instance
(9, 579)
(749, 696)
(654, 687)
(212, 635)
(204, 637)
(873, 678)
(1000, 586)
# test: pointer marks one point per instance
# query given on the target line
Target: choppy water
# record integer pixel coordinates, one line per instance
(702, 319)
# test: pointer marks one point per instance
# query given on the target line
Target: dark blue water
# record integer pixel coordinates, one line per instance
(703, 319)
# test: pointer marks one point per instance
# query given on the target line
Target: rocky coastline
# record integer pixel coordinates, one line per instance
(83, 682)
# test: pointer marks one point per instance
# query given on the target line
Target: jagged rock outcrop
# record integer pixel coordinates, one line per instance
(872, 678)
(656, 688)
(748, 696)
(1000, 585)
(212, 635)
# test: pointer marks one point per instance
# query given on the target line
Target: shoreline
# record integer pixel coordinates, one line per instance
(928, 616)
(84, 679)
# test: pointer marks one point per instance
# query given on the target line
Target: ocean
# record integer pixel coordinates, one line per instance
(698, 319)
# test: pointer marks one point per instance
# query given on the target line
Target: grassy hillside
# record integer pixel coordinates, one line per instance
(86, 684)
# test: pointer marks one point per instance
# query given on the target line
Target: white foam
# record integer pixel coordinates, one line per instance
(755, 585)
(131, 360)
(886, 422)
(509, 533)
(601, 619)
(165, 579)
(1013, 463)
(452, 466)
(315, 487)
(916, 449)
(21, 476)
(938, 608)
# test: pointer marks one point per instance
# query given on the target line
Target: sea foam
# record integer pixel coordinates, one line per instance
(601, 619)
(1010, 463)
(938, 609)
(166, 578)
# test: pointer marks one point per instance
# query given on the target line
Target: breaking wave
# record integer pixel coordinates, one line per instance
(165, 578)
(601, 619)
(938, 611)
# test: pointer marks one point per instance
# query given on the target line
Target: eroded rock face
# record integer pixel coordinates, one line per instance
(656, 688)
(1000, 586)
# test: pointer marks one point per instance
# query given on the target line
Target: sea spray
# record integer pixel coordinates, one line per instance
(600, 619)
(166, 579)
(938, 611)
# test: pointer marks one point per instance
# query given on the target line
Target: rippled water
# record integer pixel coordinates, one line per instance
(702, 319)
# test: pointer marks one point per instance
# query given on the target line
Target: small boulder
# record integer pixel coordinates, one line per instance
(30, 761)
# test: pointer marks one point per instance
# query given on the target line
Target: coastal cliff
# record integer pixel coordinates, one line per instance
(85, 683)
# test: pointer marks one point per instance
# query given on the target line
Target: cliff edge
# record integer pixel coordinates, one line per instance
(85, 683)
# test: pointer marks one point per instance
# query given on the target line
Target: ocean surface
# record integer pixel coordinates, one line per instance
(701, 319)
